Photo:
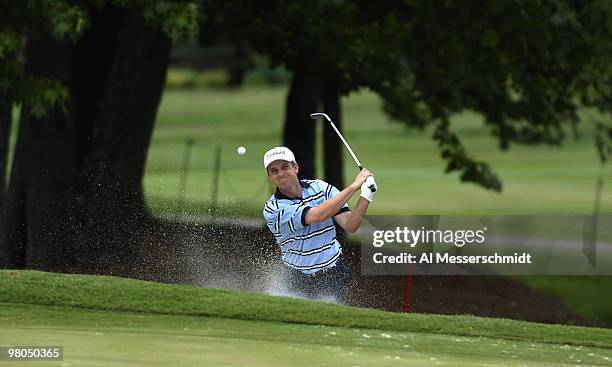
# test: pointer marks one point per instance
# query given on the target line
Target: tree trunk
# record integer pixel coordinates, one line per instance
(299, 131)
(332, 146)
(305, 94)
(113, 171)
(75, 197)
(238, 66)
(5, 129)
(41, 167)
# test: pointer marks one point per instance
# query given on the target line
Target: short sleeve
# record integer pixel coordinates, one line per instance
(284, 217)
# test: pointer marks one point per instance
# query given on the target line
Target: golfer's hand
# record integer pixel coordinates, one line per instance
(360, 179)
(366, 189)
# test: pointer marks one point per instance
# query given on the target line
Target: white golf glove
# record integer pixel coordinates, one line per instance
(366, 193)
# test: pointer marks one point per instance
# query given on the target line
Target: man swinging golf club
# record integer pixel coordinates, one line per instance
(300, 215)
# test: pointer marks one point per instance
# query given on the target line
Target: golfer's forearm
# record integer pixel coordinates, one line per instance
(329, 208)
(356, 216)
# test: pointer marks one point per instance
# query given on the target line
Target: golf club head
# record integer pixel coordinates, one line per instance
(318, 115)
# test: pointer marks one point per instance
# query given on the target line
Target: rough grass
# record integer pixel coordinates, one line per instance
(126, 295)
(588, 296)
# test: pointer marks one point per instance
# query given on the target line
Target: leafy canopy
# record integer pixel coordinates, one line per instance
(525, 65)
(61, 20)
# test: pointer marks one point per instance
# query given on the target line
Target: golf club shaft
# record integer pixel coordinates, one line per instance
(347, 146)
(318, 114)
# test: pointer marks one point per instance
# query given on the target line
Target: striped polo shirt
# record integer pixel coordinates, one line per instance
(304, 247)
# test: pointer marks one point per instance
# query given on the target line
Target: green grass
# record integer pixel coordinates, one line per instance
(586, 296)
(99, 338)
(409, 171)
(105, 321)
(537, 180)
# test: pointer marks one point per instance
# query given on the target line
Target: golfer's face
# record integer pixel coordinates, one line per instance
(282, 173)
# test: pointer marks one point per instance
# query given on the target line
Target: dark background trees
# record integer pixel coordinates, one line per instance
(89, 80)
(525, 66)
(74, 200)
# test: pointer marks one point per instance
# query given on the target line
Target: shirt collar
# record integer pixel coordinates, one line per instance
(279, 195)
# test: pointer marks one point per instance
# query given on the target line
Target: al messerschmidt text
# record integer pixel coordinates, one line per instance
(445, 258)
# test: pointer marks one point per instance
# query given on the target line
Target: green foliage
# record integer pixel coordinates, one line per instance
(178, 19)
(262, 74)
(58, 21)
(597, 82)
(187, 79)
(45, 94)
(603, 140)
(523, 64)
(31, 20)
(66, 21)
(9, 44)
(453, 152)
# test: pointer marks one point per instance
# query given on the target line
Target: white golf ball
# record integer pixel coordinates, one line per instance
(241, 150)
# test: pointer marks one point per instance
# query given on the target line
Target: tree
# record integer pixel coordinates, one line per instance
(522, 65)
(312, 88)
(89, 89)
(307, 94)
(299, 129)
(526, 66)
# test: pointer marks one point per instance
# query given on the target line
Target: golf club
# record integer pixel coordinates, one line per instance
(317, 115)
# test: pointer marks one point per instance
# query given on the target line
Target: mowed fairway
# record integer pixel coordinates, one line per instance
(104, 321)
(97, 338)
(407, 165)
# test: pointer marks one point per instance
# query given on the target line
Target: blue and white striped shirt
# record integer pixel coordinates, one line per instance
(304, 247)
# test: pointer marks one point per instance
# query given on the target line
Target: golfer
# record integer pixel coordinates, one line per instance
(300, 215)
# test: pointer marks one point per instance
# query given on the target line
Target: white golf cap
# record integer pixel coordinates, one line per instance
(274, 154)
